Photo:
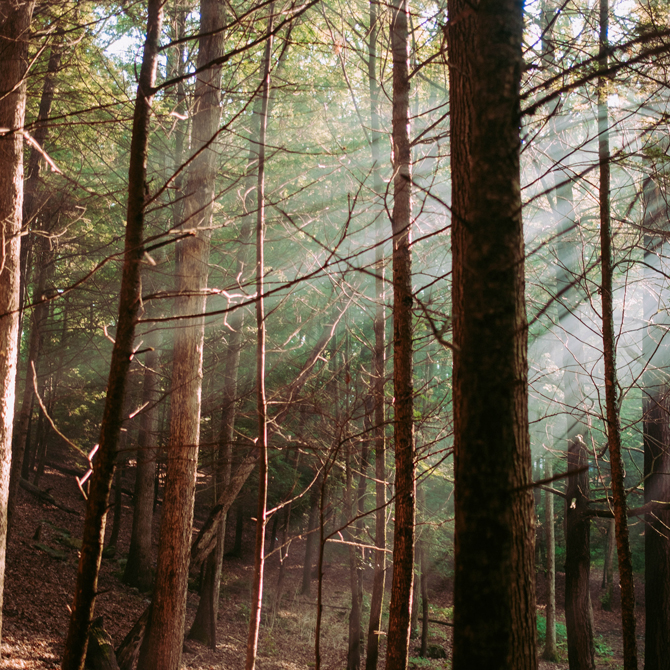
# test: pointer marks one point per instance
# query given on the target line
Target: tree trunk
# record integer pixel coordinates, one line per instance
(378, 584)
(44, 269)
(494, 581)
(613, 422)
(261, 402)
(608, 568)
(397, 649)
(138, 570)
(578, 612)
(423, 553)
(550, 652)
(312, 539)
(163, 642)
(129, 303)
(656, 417)
(15, 17)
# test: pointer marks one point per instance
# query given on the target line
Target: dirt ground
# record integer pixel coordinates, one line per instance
(41, 571)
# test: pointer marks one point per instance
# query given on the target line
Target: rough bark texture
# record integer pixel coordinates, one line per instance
(578, 612)
(494, 590)
(163, 642)
(15, 16)
(129, 304)
(397, 649)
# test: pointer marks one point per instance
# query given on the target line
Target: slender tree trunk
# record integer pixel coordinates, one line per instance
(261, 402)
(311, 540)
(44, 269)
(423, 553)
(578, 611)
(550, 652)
(608, 567)
(377, 597)
(138, 571)
(129, 304)
(494, 585)
(609, 352)
(162, 645)
(15, 17)
(397, 649)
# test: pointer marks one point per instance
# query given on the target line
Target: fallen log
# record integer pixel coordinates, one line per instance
(45, 496)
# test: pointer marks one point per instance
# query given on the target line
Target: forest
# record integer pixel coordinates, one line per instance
(332, 334)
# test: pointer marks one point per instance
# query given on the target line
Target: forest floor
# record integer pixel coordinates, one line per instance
(41, 571)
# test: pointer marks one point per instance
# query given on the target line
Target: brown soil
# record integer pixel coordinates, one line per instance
(39, 587)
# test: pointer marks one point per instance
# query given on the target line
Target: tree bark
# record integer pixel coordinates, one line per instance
(397, 649)
(378, 584)
(578, 612)
(261, 402)
(494, 590)
(138, 572)
(163, 642)
(613, 422)
(608, 568)
(122, 353)
(15, 17)
(550, 652)
(656, 417)
(44, 270)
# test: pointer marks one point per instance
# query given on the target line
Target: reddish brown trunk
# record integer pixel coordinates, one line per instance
(15, 16)
(162, 645)
(405, 485)
(578, 612)
(129, 303)
(494, 594)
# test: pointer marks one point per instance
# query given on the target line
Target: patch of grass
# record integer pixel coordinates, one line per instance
(603, 649)
(561, 632)
(418, 662)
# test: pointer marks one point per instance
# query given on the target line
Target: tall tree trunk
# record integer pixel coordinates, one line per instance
(397, 649)
(657, 533)
(312, 539)
(138, 570)
(578, 612)
(15, 17)
(377, 597)
(612, 402)
(44, 270)
(550, 652)
(261, 402)
(608, 567)
(494, 589)
(162, 645)
(122, 353)
(656, 417)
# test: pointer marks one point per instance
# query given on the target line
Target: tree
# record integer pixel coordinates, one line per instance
(578, 611)
(122, 354)
(162, 646)
(15, 17)
(494, 594)
(397, 650)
